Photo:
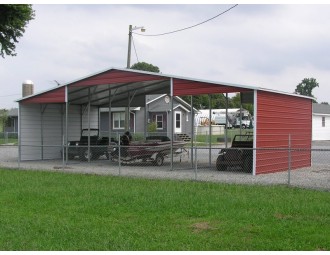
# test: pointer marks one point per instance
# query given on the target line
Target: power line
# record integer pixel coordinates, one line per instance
(179, 30)
(10, 95)
(135, 50)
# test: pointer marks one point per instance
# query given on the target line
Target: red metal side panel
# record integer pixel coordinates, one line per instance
(116, 76)
(53, 96)
(279, 116)
(187, 87)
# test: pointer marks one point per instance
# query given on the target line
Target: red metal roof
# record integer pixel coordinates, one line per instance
(127, 80)
(113, 76)
(53, 96)
(124, 80)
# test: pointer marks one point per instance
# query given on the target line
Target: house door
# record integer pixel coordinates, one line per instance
(177, 123)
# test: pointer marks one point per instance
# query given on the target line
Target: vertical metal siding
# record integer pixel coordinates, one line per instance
(52, 131)
(41, 133)
(278, 117)
(74, 122)
(30, 123)
(40, 136)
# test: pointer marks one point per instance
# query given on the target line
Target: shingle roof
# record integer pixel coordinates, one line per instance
(321, 108)
(13, 112)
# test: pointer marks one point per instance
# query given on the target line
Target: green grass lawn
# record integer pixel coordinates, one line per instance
(61, 211)
(203, 140)
(9, 140)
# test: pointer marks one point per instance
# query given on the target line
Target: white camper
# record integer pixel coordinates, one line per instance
(218, 117)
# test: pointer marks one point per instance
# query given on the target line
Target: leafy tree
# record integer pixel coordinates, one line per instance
(143, 66)
(202, 101)
(199, 102)
(325, 103)
(235, 102)
(13, 20)
(306, 86)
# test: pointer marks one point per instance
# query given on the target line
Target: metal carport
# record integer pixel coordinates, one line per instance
(50, 118)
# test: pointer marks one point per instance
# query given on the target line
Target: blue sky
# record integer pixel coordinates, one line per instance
(269, 46)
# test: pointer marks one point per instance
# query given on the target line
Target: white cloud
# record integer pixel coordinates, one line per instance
(271, 46)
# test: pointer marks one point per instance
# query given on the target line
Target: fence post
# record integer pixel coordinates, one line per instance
(63, 152)
(289, 161)
(195, 163)
(119, 155)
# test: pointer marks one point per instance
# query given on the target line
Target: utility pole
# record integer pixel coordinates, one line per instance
(129, 46)
(130, 30)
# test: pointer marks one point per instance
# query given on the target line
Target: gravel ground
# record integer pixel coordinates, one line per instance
(315, 177)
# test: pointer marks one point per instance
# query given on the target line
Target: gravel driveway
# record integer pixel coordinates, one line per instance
(315, 177)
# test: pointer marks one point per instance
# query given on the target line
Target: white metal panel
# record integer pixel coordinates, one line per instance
(30, 131)
(74, 122)
(41, 131)
(320, 133)
(52, 131)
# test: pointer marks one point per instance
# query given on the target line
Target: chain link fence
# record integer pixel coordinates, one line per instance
(154, 160)
(8, 137)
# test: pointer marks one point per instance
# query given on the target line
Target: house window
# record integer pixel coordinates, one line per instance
(159, 121)
(178, 120)
(10, 122)
(118, 120)
(323, 121)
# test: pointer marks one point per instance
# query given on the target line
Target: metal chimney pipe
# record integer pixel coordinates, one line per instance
(27, 88)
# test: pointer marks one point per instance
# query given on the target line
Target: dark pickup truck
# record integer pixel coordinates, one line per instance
(98, 145)
(239, 155)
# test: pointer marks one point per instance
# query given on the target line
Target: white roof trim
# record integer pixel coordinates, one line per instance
(321, 114)
(181, 106)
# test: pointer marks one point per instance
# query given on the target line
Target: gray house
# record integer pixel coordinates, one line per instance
(12, 121)
(157, 111)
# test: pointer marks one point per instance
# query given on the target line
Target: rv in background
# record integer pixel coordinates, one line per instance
(218, 117)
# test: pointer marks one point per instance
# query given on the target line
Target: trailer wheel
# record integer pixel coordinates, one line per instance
(159, 160)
